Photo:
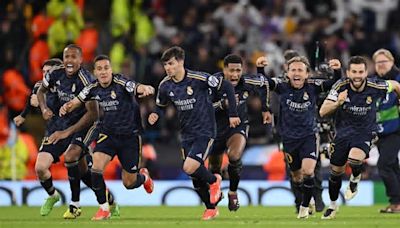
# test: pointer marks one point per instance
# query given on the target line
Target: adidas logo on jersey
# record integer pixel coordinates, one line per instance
(313, 154)
(134, 168)
(171, 94)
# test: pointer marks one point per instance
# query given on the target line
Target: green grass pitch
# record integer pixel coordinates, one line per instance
(190, 217)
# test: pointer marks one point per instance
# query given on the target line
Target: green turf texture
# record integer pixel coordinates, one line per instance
(191, 217)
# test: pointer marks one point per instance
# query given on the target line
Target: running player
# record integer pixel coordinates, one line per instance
(233, 140)
(297, 122)
(119, 129)
(354, 99)
(189, 92)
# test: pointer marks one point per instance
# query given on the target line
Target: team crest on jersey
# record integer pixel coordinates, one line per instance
(305, 96)
(189, 90)
(73, 88)
(369, 100)
(113, 94)
(245, 94)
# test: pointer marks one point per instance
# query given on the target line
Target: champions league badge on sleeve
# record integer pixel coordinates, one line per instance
(213, 81)
(130, 86)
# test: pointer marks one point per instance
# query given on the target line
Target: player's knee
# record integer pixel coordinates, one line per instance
(192, 164)
(83, 167)
(308, 181)
(297, 179)
(40, 169)
(72, 155)
(189, 168)
(336, 176)
(308, 171)
(355, 164)
(234, 155)
(130, 182)
(235, 164)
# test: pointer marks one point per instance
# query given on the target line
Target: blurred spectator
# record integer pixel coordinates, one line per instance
(41, 24)
(13, 157)
(15, 91)
(38, 53)
(275, 166)
(88, 41)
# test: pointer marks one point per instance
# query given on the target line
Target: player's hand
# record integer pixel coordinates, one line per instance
(145, 90)
(34, 101)
(342, 97)
(47, 114)
(18, 120)
(234, 121)
(57, 136)
(334, 64)
(153, 117)
(66, 108)
(262, 61)
(267, 117)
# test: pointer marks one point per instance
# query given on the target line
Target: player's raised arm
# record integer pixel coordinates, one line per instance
(336, 66)
(262, 62)
(332, 102)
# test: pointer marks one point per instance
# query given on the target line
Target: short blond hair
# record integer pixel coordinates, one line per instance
(384, 52)
(301, 59)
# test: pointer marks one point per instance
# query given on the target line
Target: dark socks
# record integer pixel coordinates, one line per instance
(202, 190)
(335, 183)
(48, 186)
(234, 169)
(87, 179)
(204, 175)
(297, 192)
(139, 181)
(308, 186)
(356, 166)
(74, 180)
(99, 186)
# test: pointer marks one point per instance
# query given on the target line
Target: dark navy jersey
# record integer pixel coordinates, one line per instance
(118, 101)
(50, 100)
(66, 88)
(247, 85)
(191, 97)
(357, 115)
(297, 110)
(297, 107)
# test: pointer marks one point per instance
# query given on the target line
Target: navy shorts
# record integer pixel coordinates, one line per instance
(197, 148)
(82, 138)
(298, 149)
(220, 143)
(340, 147)
(128, 148)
